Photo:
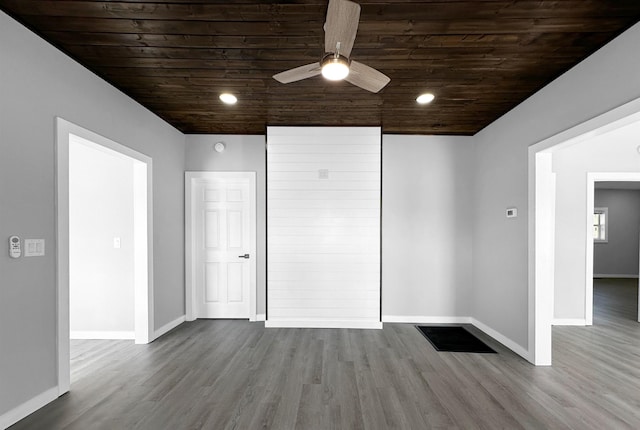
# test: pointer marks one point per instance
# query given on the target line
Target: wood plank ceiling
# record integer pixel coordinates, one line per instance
(479, 57)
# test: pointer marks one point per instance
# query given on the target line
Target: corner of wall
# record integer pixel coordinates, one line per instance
(513, 346)
(16, 414)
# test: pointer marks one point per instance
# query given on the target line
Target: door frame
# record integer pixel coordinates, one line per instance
(143, 236)
(191, 179)
(541, 227)
(592, 178)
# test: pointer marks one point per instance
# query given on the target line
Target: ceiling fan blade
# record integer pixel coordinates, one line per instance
(298, 74)
(341, 26)
(366, 77)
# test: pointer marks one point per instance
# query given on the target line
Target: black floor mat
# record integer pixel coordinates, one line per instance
(453, 339)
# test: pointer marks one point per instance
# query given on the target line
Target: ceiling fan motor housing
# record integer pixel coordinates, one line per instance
(334, 67)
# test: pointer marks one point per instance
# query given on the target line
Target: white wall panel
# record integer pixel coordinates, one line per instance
(311, 165)
(367, 270)
(323, 227)
(313, 175)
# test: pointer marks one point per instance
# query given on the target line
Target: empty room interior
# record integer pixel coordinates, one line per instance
(253, 214)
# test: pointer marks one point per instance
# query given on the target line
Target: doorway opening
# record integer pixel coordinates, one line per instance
(69, 138)
(609, 180)
(616, 249)
(543, 300)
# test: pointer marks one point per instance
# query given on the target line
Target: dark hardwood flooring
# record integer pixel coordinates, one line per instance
(238, 375)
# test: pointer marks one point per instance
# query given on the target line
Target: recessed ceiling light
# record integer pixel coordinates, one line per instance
(228, 98)
(425, 98)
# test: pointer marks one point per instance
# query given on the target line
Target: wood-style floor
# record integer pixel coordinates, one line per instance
(235, 374)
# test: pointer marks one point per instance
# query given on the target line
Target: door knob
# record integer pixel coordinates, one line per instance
(243, 256)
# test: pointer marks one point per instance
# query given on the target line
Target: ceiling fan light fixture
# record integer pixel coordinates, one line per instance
(228, 98)
(335, 67)
(425, 98)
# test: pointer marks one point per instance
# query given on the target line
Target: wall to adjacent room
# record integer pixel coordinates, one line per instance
(38, 83)
(242, 153)
(619, 255)
(101, 292)
(603, 81)
(427, 227)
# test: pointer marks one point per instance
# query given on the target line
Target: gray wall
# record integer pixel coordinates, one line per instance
(427, 219)
(38, 83)
(618, 256)
(426, 181)
(605, 80)
(243, 153)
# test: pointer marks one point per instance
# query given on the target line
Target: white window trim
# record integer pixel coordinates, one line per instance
(605, 211)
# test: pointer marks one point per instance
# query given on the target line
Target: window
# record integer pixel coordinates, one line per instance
(600, 223)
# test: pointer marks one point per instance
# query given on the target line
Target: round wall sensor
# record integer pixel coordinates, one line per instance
(219, 147)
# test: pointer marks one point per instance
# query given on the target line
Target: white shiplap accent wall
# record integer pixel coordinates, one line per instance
(323, 234)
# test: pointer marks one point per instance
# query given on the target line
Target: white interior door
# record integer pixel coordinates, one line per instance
(223, 245)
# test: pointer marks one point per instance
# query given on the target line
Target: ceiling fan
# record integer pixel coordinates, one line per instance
(339, 34)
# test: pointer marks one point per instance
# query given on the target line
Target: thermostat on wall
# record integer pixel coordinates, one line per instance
(512, 212)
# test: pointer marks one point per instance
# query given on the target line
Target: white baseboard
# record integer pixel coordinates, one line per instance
(569, 321)
(168, 326)
(261, 317)
(107, 335)
(513, 346)
(27, 408)
(322, 324)
(607, 276)
(424, 319)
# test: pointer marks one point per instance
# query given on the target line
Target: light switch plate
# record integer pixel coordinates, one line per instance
(512, 212)
(34, 247)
